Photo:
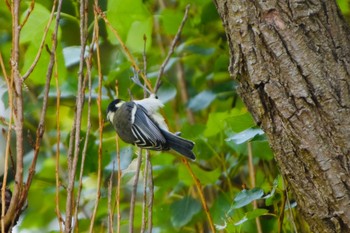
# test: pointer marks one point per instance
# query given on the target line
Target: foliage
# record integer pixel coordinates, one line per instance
(222, 128)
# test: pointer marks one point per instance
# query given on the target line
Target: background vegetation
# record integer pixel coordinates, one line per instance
(235, 167)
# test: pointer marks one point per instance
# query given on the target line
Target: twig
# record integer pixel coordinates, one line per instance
(42, 43)
(133, 193)
(110, 212)
(29, 11)
(41, 126)
(14, 209)
(151, 192)
(252, 183)
(100, 120)
(201, 195)
(77, 119)
(144, 205)
(183, 92)
(171, 50)
(125, 49)
(284, 186)
(58, 139)
(119, 174)
(8, 141)
(119, 178)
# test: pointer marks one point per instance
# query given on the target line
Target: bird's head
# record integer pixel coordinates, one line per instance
(113, 107)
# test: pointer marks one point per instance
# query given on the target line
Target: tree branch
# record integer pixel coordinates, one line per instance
(171, 50)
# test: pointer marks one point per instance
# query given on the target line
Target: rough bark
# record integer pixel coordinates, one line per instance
(292, 60)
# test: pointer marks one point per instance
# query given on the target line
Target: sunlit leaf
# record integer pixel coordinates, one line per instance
(245, 135)
(247, 196)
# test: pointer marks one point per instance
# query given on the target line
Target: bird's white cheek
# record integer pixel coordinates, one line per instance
(110, 116)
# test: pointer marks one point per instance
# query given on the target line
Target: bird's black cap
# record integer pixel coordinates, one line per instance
(112, 106)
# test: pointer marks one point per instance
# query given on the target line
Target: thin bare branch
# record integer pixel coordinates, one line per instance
(183, 87)
(58, 139)
(42, 43)
(201, 195)
(41, 126)
(100, 119)
(110, 212)
(29, 11)
(77, 119)
(151, 191)
(252, 183)
(134, 191)
(14, 209)
(171, 50)
(144, 203)
(125, 49)
(8, 141)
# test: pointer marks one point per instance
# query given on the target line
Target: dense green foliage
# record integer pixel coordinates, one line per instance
(222, 128)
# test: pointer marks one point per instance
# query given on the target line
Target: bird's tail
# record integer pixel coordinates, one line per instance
(179, 144)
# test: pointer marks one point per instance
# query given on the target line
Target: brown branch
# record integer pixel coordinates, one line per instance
(41, 126)
(42, 43)
(201, 195)
(110, 212)
(29, 11)
(119, 178)
(7, 149)
(84, 152)
(171, 50)
(14, 209)
(133, 193)
(58, 139)
(77, 119)
(252, 183)
(125, 49)
(183, 92)
(151, 191)
(100, 119)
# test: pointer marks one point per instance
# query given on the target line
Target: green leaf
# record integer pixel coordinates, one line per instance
(171, 20)
(201, 101)
(216, 123)
(240, 121)
(127, 19)
(182, 211)
(252, 215)
(138, 29)
(245, 135)
(247, 196)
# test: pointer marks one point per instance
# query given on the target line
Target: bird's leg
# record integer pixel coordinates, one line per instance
(137, 81)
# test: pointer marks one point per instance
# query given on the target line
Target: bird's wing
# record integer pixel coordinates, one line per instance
(145, 131)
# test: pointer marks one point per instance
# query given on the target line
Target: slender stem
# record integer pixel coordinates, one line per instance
(77, 119)
(172, 49)
(100, 117)
(125, 49)
(151, 191)
(14, 210)
(110, 213)
(133, 193)
(252, 183)
(201, 195)
(144, 203)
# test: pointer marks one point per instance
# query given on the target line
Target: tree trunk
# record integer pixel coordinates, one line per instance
(292, 60)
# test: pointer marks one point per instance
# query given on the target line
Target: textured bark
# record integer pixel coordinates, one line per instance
(292, 60)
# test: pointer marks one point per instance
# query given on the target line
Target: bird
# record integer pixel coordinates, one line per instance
(138, 122)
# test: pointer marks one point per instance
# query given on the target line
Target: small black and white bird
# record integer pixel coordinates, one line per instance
(139, 123)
